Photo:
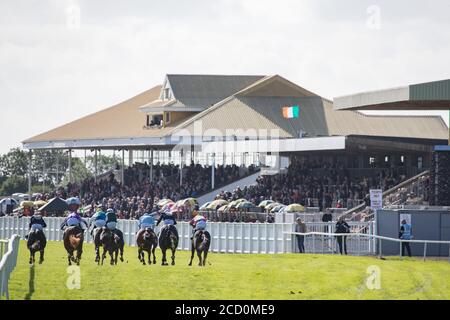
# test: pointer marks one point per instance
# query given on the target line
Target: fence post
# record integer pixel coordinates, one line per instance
(424, 251)
(379, 249)
(401, 255)
(314, 244)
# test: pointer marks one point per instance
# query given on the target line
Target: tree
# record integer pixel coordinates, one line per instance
(50, 165)
(14, 184)
(104, 163)
(14, 163)
(79, 172)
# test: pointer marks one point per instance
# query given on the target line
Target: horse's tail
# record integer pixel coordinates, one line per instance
(36, 245)
(204, 242)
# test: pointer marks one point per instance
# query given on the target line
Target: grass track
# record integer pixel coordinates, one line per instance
(254, 277)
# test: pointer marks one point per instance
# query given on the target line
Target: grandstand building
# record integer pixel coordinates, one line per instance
(218, 119)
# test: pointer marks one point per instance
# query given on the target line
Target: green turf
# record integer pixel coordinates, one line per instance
(287, 276)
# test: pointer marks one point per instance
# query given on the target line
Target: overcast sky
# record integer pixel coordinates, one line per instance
(63, 59)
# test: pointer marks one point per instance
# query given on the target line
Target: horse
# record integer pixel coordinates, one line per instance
(146, 240)
(97, 243)
(168, 239)
(111, 243)
(73, 241)
(36, 242)
(200, 243)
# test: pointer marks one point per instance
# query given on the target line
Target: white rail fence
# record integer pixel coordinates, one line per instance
(9, 250)
(227, 237)
(318, 236)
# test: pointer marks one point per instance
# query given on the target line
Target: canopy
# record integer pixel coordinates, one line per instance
(265, 203)
(295, 208)
(56, 206)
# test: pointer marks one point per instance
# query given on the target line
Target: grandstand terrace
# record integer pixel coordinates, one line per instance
(208, 130)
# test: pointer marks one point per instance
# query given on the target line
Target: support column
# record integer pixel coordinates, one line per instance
(122, 171)
(213, 171)
(130, 158)
(70, 165)
(96, 165)
(151, 165)
(30, 159)
(181, 168)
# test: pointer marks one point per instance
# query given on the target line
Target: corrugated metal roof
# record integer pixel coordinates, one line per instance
(437, 90)
(317, 118)
(119, 121)
(205, 90)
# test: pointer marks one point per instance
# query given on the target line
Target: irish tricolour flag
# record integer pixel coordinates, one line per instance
(291, 112)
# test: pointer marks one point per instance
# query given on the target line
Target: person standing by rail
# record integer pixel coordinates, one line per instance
(405, 234)
(300, 227)
(342, 227)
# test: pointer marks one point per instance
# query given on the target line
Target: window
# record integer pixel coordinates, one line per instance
(167, 94)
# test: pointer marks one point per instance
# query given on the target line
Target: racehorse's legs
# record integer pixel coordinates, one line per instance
(41, 256)
(173, 255)
(205, 254)
(164, 261)
(199, 255)
(79, 252)
(141, 256)
(121, 251)
(111, 254)
(192, 253)
(149, 256)
(103, 255)
(153, 252)
(70, 256)
(31, 257)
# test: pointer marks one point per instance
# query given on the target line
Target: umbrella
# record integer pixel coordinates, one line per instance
(272, 205)
(40, 203)
(216, 204)
(190, 201)
(236, 202)
(295, 208)
(265, 203)
(278, 208)
(27, 204)
(163, 202)
(223, 209)
(204, 206)
(245, 205)
(168, 207)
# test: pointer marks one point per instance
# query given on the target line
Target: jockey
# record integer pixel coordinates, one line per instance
(98, 219)
(146, 221)
(73, 219)
(111, 223)
(197, 223)
(36, 223)
(111, 219)
(168, 220)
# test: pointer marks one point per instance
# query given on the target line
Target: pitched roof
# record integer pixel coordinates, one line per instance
(119, 121)
(317, 118)
(257, 106)
(206, 90)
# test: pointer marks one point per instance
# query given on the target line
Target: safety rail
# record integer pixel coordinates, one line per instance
(373, 236)
(8, 262)
(387, 193)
